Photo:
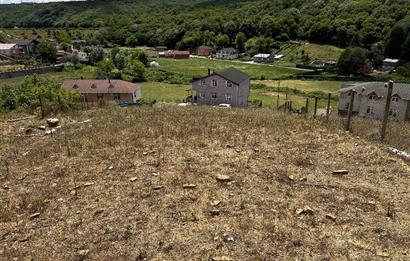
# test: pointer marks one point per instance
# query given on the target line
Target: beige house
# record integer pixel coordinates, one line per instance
(229, 86)
(370, 100)
(105, 91)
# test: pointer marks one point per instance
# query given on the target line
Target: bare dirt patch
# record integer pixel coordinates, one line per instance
(146, 184)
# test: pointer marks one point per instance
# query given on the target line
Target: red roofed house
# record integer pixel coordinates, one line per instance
(105, 91)
(10, 50)
(28, 46)
(204, 51)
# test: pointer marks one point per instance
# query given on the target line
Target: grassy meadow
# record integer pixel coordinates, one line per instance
(198, 67)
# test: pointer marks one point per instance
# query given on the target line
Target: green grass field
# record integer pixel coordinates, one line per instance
(165, 92)
(306, 85)
(198, 67)
(314, 51)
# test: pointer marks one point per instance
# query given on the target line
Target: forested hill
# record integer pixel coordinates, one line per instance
(187, 23)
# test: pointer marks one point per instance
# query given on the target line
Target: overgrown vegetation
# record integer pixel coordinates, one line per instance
(35, 93)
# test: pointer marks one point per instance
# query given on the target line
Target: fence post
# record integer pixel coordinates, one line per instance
(41, 106)
(277, 102)
(307, 105)
(328, 106)
(386, 110)
(350, 112)
(290, 106)
(315, 112)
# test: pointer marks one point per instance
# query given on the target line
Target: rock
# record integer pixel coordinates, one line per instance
(291, 178)
(189, 186)
(222, 258)
(35, 215)
(331, 217)
(53, 122)
(340, 172)
(84, 252)
(42, 127)
(133, 179)
(223, 178)
(158, 187)
(214, 212)
(228, 238)
(382, 253)
(88, 184)
(215, 203)
(305, 211)
(29, 131)
(51, 131)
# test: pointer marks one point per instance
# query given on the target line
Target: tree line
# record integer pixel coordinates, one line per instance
(187, 24)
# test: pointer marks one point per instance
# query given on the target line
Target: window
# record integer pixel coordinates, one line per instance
(395, 98)
(369, 110)
(392, 113)
(229, 84)
(347, 106)
(203, 82)
(373, 97)
(93, 86)
(202, 95)
(228, 97)
(75, 86)
(117, 96)
(100, 95)
(213, 95)
(214, 83)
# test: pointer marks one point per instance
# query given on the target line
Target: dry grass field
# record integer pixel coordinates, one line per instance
(198, 184)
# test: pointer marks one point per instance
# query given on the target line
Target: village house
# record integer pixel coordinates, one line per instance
(10, 51)
(229, 86)
(78, 44)
(370, 100)
(105, 91)
(227, 54)
(204, 51)
(263, 58)
(175, 54)
(27, 46)
(390, 64)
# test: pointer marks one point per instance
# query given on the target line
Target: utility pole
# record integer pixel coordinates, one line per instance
(386, 110)
(350, 112)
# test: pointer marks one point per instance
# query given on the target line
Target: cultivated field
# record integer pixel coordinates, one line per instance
(199, 184)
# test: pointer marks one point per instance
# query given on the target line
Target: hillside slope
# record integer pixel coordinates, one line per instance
(142, 184)
(190, 23)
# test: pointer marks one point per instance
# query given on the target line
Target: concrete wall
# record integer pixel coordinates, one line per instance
(106, 98)
(39, 70)
(239, 93)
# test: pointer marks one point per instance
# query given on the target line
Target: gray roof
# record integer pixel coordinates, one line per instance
(366, 88)
(234, 75)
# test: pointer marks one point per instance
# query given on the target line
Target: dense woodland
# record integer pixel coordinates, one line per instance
(381, 25)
